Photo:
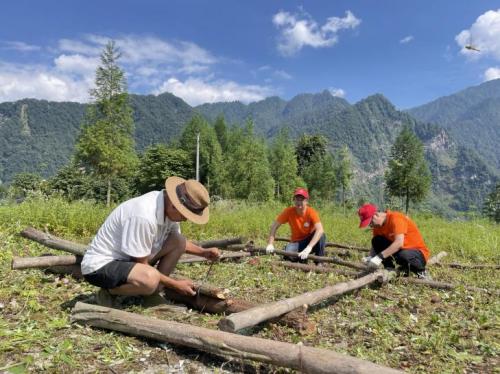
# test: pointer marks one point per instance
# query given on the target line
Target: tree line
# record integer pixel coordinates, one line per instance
(234, 162)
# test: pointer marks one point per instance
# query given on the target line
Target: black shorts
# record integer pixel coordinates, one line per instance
(111, 275)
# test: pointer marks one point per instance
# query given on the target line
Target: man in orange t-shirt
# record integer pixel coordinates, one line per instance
(307, 231)
(395, 237)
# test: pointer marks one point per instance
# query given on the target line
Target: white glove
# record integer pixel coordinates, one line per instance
(270, 249)
(305, 253)
(366, 260)
(374, 262)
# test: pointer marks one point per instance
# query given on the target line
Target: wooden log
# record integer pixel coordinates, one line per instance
(302, 358)
(468, 266)
(44, 261)
(206, 289)
(220, 243)
(334, 260)
(261, 313)
(445, 286)
(226, 256)
(435, 259)
(315, 268)
(53, 241)
(332, 244)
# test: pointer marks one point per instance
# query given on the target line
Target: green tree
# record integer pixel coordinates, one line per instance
(284, 168)
(212, 173)
(23, 183)
(158, 163)
(220, 128)
(248, 166)
(491, 207)
(319, 175)
(309, 148)
(105, 146)
(343, 173)
(408, 175)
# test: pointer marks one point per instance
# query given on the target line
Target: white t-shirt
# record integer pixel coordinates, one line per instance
(136, 228)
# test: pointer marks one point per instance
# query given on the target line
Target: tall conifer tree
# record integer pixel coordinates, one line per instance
(106, 145)
(408, 175)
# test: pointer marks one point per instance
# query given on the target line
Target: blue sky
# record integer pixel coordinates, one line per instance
(207, 51)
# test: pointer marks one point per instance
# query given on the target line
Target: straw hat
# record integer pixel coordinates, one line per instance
(189, 197)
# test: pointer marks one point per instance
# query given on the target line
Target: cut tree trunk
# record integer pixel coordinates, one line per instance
(187, 259)
(298, 357)
(445, 286)
(334, 260)
(315, 268)
(261, 313)
(333, 245)
(220, 243)
(44, 261)
(53, 241)
(206, 289)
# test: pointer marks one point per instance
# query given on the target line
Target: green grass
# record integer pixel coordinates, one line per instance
(403, 326)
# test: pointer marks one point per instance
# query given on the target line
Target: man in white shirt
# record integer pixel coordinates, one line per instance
(140, 242)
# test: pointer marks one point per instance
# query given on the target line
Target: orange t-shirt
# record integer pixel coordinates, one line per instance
(398, 223)
(301, 226)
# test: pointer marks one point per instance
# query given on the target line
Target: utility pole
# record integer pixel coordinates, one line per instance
(198, 157)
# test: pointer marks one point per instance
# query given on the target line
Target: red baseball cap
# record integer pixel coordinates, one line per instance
(301, 192)
(366, 213)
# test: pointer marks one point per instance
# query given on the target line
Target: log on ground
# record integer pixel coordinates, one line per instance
(261, 313)
(334, 260)
(44, 261)
(302, 358)
(333, 245)
(315, 268)
(53, 241)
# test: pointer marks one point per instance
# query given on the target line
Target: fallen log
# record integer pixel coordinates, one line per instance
(315, 268)
(435, 259)
(333, 245)
(187, 259)
(302, 358)
(261, 313)
(219, 243)
(44, 261)
(468, 266)
(53, 241)
(334, 260)
(206, 289)
(445, 286)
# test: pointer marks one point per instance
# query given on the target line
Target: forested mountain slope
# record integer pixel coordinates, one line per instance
(472, 116)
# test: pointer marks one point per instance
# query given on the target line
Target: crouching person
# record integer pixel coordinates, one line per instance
(396, 238)
(305, 225)
(140, 242)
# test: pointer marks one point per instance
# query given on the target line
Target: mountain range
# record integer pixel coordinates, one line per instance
(459, 133)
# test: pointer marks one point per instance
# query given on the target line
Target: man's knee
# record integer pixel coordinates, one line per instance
(379, 243)
(146, 277)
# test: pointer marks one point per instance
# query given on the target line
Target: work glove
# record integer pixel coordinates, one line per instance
(375, 262)
(270, 249)
(305, 253)
(366, 260)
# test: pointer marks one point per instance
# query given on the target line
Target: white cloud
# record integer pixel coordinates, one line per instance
(20, 46)
(298, 31)
(337, 92)
(484, 34)
(151, 65)
(76, 64)
(492, 73)
(197, 91)
(406, 39)
(18, 82)
(282, 74)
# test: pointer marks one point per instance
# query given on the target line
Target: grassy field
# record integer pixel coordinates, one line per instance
(410, 327)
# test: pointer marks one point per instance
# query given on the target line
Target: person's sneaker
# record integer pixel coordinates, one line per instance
(424, 275)
(104, 298)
